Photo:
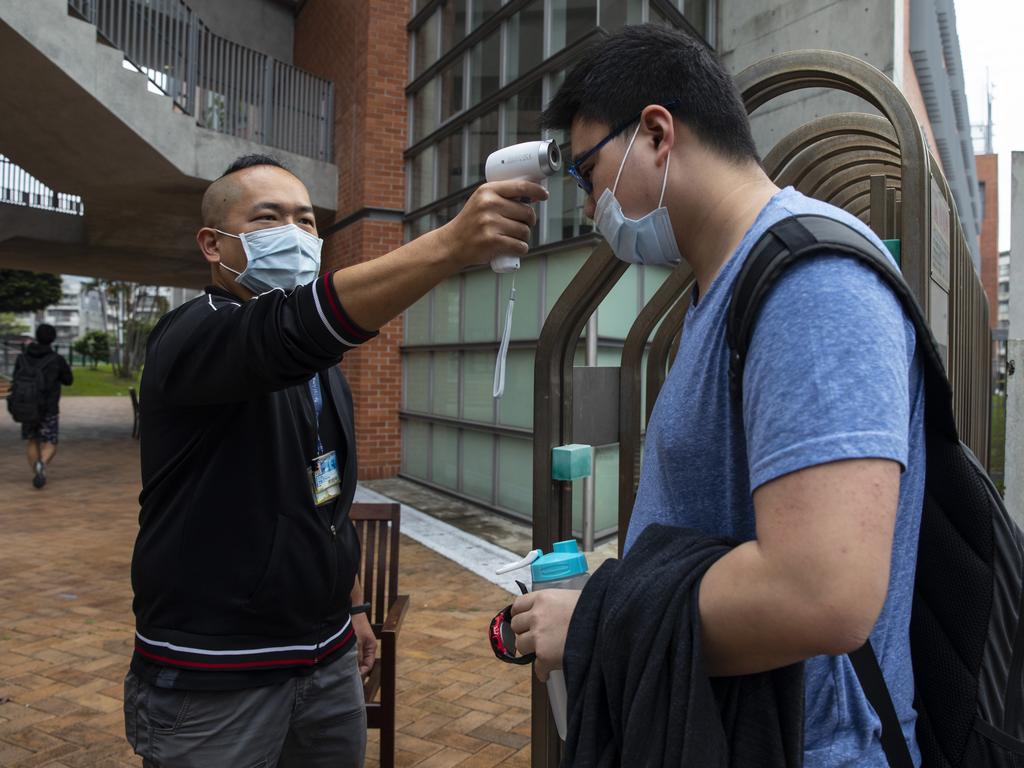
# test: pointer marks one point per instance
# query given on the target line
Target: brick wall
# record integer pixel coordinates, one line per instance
(988, 175)
(363, 48)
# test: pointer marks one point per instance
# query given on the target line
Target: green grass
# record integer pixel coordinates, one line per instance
(100, 381)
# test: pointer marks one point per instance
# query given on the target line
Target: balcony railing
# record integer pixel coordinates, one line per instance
(227, 87)
(19, 187)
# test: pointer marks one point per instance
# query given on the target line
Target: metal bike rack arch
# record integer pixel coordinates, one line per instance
(879, 169)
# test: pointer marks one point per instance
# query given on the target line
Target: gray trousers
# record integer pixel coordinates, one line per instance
(313, 721)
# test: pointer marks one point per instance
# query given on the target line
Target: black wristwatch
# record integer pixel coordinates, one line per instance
(362, 608)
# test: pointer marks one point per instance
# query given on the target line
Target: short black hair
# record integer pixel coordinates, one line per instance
(251, 161)
(45, 333)
(621, 74)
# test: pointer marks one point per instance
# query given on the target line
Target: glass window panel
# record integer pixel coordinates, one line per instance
(515, 475)
(483, 10)
(444, 456)
(616, 13)
(483, 139)
(485, 68)
(607, 357)
(417, 322)
(449, 164)
(481, 306)
(565, 209)
(417, 381)
(522, 113)
(446, 384)
(696, 12)
(426, 44)
(577, 506)
(570, 20)
(415, 448)
(515, 409)
(425, 110)
(451, 88)
(422, 187)
(417, 227)
(526, 316)
(478, 386)
(606, 487)
(453, 25)
(445, 318)
(561, 268)
(478, 465)
(618, 310)
(653, 278)
(525, 33)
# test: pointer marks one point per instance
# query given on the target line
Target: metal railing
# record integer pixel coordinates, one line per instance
(19, 187)
(227, 87)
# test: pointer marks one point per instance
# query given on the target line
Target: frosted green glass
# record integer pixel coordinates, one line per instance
(445, 312)
(416, 389)
(562, 267)
(515, 409)
(415, 446)
(478, 386)
(606, 487)
(446, 384)
(481, 306)
(478, 465)
(417, 322)
(515, 475)
(526, 319)
(444, 446)
(618, 310)
(653, 278)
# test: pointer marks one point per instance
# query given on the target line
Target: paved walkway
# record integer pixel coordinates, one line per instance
(66, 622)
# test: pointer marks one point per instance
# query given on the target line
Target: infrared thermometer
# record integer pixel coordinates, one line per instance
(531, 160)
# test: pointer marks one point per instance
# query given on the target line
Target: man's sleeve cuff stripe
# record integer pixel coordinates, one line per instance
(348, 326)
(327, 324)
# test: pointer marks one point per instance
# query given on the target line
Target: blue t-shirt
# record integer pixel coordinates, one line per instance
(830, 375)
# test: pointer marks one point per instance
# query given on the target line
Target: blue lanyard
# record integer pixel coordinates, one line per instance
(318, 406)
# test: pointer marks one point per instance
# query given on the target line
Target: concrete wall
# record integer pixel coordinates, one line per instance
(751, 30)
(1015, 349)
(263, 25)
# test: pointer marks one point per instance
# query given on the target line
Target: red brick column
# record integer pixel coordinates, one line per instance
(363, 48)
(988, 174)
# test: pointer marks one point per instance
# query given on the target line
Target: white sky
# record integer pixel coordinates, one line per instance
(990, 38)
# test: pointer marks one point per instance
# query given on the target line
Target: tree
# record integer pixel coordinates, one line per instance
(22, 291)
(95, 345)
(11, 326)
(137, 308)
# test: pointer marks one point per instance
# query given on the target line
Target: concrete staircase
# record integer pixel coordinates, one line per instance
(79, 121)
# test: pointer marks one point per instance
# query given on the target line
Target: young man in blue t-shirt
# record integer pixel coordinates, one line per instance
(821, 474)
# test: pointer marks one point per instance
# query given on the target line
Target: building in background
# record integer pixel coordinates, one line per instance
(1002, 325)
(419, 93)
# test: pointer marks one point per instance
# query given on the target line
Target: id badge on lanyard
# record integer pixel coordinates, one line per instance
(324, 477)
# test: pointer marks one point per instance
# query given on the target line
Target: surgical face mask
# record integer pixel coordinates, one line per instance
(647, 240)
(282, 257)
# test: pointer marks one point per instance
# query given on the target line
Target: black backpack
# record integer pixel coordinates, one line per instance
(966, 632)
(27, 399)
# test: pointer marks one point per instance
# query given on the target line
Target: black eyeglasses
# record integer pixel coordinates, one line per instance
(574, 166)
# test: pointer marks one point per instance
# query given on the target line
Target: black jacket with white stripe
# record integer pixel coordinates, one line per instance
(235, 568)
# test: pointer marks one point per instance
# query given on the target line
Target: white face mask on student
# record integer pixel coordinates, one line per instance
(647, 240)
(282, 257)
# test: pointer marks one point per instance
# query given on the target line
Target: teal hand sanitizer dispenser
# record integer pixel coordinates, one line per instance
(563, 568)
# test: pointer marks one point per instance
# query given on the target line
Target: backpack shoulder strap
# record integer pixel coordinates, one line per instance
(801, 236)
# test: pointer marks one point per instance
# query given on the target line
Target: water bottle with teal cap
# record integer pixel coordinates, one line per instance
(565, 567)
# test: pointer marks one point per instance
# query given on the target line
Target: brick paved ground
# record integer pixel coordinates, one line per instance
(66, 624)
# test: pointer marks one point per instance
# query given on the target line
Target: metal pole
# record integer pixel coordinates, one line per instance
(588, 481)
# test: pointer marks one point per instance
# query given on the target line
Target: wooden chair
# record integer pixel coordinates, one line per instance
(377, 526)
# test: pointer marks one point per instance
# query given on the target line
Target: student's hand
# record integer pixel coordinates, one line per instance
(366, 643)
(493, 222)
(541, 623)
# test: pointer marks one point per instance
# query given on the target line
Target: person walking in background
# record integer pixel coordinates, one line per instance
(34, 400)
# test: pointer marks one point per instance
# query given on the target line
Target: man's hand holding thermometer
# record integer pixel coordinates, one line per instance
(530, 161)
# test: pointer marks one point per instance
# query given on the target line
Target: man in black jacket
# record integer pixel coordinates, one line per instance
(246, 599)
(42, 434)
